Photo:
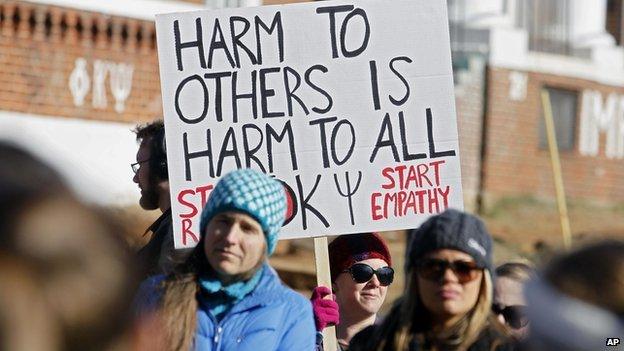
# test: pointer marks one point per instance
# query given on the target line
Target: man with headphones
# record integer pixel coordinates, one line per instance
(158, 256)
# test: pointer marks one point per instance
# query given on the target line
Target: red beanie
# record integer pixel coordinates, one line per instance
(346, 250)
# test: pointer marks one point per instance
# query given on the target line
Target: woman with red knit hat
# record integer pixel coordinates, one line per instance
(361, 272)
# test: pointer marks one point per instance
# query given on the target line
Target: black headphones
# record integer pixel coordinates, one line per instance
(158, 156)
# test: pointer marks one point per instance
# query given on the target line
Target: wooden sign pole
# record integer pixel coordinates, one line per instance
(323, 277)
(556, 165)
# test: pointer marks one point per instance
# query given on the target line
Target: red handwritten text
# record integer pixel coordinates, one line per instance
(189, 198)
(413, 189)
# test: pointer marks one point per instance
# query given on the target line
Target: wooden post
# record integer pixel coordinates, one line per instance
(323, 277)
(556, 165)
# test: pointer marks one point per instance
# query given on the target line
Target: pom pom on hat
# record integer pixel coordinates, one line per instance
(253, 193)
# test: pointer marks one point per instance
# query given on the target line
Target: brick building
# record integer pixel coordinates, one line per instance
(505, 53)
(75, 77)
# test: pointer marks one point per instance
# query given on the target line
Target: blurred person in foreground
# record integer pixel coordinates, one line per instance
(23, 178)
(79, 272)
(226, 296)
(20, 328)
(67, 276)
(448, 292)
(22, 173)
(158, 256)
(509, 303)
(577, 303)
(361, 272)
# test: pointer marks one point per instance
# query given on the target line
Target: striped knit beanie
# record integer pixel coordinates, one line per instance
(253, 193)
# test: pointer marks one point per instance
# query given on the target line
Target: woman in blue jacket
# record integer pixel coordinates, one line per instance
(226, 296)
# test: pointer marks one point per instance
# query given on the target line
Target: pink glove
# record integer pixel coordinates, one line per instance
(325, 311)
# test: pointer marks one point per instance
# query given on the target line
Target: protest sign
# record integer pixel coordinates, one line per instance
(349, 103)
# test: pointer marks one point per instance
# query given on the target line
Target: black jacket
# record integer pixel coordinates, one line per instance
(159, 256)
(489, 340)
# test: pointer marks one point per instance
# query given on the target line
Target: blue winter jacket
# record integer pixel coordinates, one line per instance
(271, 317)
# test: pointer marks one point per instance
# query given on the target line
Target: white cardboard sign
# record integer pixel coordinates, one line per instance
(349, 103)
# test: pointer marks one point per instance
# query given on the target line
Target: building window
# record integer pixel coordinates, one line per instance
(548, 24)
(614, 19)
(564, 107)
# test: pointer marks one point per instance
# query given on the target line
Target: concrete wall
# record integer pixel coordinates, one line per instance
(93, 156)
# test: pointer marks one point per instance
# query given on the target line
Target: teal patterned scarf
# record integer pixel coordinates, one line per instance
(221, 298)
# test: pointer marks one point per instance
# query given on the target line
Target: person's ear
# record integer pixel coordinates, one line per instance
(164, 184)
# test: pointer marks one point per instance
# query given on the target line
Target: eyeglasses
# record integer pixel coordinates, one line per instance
(135, 166)
(434, 269)
(515, 316)
(362, 273)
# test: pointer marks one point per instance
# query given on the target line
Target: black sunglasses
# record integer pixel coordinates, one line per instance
(515, 316)
(433, 269)
(362, 273)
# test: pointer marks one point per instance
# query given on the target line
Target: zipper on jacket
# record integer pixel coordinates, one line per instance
(217, 336)
(219, 329)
